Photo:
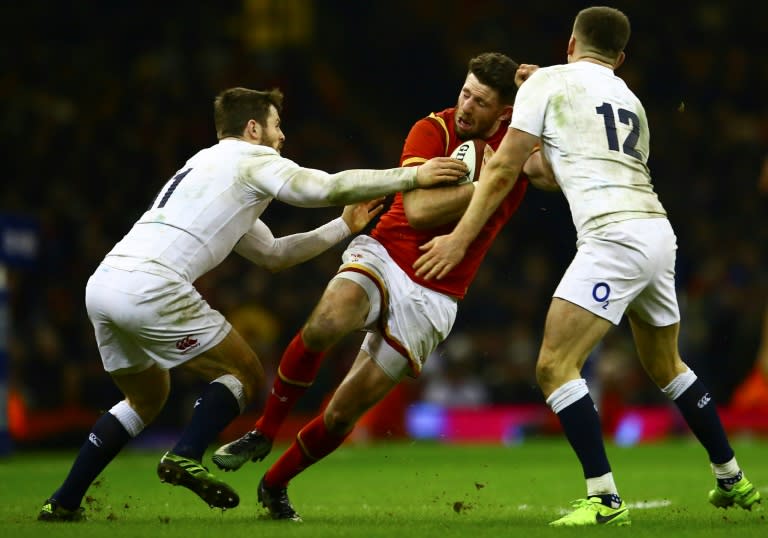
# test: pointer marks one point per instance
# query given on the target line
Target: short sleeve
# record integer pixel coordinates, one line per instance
(531, 104)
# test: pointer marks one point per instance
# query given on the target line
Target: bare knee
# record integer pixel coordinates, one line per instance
(149, 402)
(662, 372)
(146, 391)
(251, 376)
(339, 421)
(552, 373)
(325, 327)
(342, 309)
(546, 374)
(232, 357)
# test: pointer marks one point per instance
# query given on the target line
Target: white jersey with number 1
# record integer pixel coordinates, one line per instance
(202, 212)
(594, 132)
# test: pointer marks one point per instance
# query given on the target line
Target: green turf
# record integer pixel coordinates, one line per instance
(402, 490)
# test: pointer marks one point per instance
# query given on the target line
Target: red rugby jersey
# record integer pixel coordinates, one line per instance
(435, 136)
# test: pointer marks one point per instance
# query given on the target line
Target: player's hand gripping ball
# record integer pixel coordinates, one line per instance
(471, 152)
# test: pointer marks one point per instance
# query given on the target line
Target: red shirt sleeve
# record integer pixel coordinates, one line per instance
(426, 139)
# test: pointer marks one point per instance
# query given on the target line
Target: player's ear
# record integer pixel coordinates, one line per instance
(619, 60)
(506, 114)
(253, 131)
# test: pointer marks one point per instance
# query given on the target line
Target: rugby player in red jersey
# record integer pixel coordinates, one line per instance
(376, 289)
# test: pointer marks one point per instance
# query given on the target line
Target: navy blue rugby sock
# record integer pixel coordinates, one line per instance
(107, 438)
(581, 425)
(214, 410)
(699, 411)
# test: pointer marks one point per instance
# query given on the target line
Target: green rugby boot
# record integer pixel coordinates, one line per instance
(181, 471)
(53, 511)
(743, 494)
(593, 512)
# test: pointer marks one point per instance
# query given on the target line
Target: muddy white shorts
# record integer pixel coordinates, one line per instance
(628, 265)
(406, 321)
(141, 319)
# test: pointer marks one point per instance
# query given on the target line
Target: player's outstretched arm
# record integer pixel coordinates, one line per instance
(439, 170)
(275, 254)
(306, 187)
(358, 216)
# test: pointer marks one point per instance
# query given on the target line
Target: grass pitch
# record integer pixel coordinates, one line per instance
(403, 490)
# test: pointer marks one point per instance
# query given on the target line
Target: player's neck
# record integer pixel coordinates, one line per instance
(591, 59)
(241, 138)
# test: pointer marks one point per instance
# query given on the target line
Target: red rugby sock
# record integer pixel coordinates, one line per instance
(296, 373)
(312, 443)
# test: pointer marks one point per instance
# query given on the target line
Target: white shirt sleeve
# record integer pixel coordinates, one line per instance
(531, 104)
(288, 182)
(275, 254)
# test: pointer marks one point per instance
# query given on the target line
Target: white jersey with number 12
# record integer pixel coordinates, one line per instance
(594, 132)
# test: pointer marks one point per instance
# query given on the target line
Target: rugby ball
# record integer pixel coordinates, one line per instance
(471, 152)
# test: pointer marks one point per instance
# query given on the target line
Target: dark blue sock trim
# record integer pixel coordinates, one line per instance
(727, 483)
(612, 500)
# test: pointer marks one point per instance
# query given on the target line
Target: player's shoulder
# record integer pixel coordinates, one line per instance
(545, 76)
(445, 114)
(431, 134)
(441, 120)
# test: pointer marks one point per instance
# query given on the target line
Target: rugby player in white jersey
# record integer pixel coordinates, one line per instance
(594, 132)
(149, 318)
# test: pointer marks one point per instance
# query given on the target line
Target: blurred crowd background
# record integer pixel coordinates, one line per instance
(101, 102)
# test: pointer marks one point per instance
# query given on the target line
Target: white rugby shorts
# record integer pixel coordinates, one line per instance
(406, 321)
(628, 265)
(141, 319)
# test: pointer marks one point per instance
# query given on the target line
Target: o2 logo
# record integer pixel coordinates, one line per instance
(600, 293)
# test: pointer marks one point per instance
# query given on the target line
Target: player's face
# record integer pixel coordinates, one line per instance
(478, 110)
(272, 135)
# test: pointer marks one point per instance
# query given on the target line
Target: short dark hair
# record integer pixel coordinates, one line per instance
(234, 107)
(496, 71)
(604, 30)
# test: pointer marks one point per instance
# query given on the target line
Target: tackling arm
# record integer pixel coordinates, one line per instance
(259, 246)
(308, 187)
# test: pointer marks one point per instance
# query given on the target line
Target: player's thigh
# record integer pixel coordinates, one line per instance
(570, 333)
(363, 387)
(234, 356)
(343, 307)
(145, 391)
(657, 348)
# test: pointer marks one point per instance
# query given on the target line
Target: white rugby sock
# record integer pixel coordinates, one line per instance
(128, 417)
(601, 485)
(679, 384)
(235, 387)
(567, 393)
